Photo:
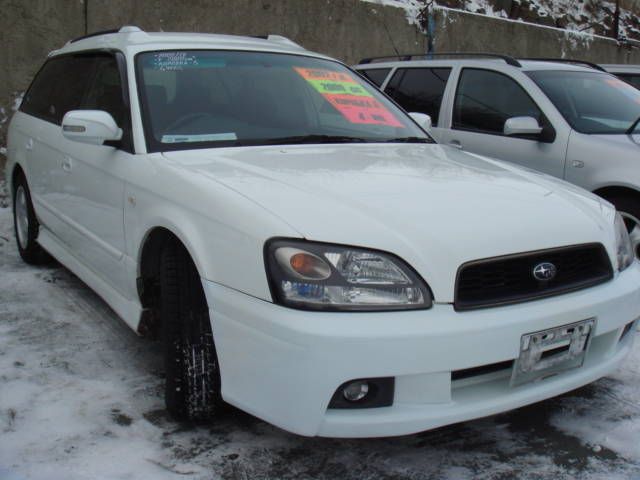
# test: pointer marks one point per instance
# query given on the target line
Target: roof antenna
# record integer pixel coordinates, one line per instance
(384, 24)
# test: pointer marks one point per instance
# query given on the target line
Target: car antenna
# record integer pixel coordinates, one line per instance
(393, 45)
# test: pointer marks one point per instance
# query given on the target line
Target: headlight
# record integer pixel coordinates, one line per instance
(320, 276)
(624, 250)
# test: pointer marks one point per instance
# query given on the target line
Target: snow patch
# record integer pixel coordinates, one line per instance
(4, 196)
(611, 421)
(575, 16)
(17, 100)
(411, 7)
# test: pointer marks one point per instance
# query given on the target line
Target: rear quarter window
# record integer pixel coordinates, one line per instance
(376, 75)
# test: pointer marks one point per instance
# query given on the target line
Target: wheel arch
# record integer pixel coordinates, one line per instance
(609, 191)
(148, 272)
(16, 172)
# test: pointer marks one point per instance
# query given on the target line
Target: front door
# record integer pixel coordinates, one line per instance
(91, 184)
(483, 102)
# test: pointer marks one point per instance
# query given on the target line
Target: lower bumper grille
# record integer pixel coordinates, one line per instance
(510, 279)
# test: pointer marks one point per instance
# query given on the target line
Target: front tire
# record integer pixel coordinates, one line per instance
(192, 389)
(26, 225)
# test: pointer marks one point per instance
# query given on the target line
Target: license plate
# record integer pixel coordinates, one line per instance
(548, 352)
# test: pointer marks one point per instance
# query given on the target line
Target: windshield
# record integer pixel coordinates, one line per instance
(205, 98)
(592, 102)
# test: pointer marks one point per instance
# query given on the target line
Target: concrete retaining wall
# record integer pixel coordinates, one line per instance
(461, 31)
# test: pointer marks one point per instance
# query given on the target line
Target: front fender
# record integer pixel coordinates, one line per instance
(223, 231)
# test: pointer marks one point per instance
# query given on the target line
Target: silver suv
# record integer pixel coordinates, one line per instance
(568, 119)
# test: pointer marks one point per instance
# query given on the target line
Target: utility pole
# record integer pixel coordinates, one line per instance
(616, 21)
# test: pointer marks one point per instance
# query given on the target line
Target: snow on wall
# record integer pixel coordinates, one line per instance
(583, 16)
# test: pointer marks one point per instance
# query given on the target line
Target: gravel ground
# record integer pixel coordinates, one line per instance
(81, 398)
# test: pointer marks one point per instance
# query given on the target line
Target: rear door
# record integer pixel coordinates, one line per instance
(58, 88)
(484, 99)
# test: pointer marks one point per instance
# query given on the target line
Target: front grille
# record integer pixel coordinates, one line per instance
(509, 279)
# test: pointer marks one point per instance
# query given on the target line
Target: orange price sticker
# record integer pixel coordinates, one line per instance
(348, 97)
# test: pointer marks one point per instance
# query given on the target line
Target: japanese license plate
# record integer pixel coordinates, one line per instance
(548, 352)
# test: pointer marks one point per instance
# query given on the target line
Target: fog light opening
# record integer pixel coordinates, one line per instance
(356, 391)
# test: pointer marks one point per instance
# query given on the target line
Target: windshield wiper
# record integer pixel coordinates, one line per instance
(300, 139)
(633, 126)
(410, 140)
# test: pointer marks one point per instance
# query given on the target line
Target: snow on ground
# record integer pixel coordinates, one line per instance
(81, 398)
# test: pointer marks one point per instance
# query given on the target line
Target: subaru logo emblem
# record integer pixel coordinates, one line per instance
(544, 271)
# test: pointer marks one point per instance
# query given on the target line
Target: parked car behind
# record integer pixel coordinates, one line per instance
(303, 248)
(628, 73)
(568, 120)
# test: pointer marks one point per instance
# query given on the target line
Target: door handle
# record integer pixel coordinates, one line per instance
(577, 164)
(29, 144)
(455, 144)
(67, 164)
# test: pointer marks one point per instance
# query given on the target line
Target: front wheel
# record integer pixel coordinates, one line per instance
(192, 389)
(26, 225)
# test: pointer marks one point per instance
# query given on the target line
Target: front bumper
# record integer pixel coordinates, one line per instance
(284, 365)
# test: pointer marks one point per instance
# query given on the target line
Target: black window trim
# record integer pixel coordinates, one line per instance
(126, 144)
(547, 137)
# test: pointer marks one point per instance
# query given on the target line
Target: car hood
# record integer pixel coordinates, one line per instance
(434, 207)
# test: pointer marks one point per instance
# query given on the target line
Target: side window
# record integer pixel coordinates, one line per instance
(376, 75)
(105, 90)
(486, 99)
(419, 90)
(58, 88)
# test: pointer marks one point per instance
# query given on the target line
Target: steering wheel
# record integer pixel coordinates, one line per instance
(186, 119)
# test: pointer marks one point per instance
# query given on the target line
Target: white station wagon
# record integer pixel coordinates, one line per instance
(304, 249)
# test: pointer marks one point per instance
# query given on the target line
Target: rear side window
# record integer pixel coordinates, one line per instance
(486, 99)
(58, 88)
(419, 90)
(376, 75)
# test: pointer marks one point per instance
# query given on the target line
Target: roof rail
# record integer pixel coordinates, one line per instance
(567, 60)
(428, 56)
(278, 39)
(124, 29)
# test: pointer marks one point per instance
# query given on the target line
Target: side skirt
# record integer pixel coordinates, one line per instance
(128, 310)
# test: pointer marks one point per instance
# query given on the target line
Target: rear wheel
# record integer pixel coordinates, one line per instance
(629, 209)
(192, 390)
(26, 225)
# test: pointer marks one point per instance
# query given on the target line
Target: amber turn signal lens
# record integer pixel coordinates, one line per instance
(307, 265)
(302, 265)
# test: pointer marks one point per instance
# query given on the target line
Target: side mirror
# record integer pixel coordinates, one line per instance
(422, 119)
(522, 126)
(93, 127)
